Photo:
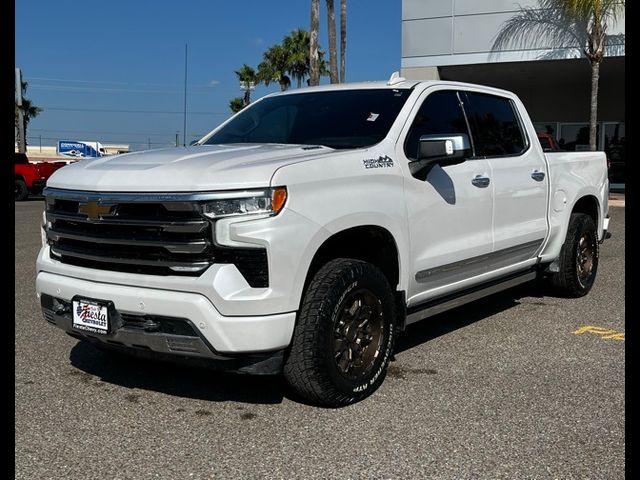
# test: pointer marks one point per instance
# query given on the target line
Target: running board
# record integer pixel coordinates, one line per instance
(447, 302)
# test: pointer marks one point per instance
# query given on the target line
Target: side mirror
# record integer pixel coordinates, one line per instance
(440, 149)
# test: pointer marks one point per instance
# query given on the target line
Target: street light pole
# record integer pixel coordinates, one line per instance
(184, 130)
(22, 141)
(247, 87)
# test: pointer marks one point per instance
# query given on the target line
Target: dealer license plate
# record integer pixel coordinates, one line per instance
(90, 316)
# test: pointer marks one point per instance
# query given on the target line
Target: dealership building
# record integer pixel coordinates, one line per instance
(453, 39)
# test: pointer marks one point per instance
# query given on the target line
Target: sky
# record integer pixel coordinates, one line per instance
(113, 71)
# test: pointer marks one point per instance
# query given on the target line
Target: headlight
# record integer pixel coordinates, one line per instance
(43, 228)
(247, 202)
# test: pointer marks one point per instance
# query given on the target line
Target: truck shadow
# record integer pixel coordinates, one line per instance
(449, 321)
(173, 379)
(95, 367)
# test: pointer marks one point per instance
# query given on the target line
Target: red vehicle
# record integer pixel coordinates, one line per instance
(548, 143)
(31, 177)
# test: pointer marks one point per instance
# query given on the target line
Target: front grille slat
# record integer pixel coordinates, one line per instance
(168, 225)
(152, 234)
(75, 252)
(173, 246)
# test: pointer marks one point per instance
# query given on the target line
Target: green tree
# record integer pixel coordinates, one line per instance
(247, 76)
(314, 65)
(296, 45)
(579, 24)
(274, 67)
(236, 104)
(331, 23)
(29, 112)
(343, 38)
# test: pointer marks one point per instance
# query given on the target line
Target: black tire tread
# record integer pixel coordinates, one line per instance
(565, 281)
(24, 191)
(303, 367)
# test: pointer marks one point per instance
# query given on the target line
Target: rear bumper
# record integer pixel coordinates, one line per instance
(218, 334)
(605, 229)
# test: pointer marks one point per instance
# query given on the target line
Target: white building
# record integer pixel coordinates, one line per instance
(453, 39)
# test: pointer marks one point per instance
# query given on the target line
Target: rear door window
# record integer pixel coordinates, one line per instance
(494, 125)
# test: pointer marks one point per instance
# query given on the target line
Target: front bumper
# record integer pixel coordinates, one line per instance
(216, 333)
(182, 345)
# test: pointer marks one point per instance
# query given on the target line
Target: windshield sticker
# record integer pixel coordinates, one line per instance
(380, 162)
(372, 117)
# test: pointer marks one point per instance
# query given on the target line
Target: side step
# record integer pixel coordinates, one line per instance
(453, 300)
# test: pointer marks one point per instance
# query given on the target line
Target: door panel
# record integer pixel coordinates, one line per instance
(449, 213)
(520, 205)
(520, 176)
(450, 225)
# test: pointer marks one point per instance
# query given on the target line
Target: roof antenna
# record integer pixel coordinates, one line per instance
(395, 78)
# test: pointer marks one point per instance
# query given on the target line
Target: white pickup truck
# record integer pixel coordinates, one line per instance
(304, 233)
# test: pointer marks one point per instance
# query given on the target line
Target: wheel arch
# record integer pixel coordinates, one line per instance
(589, 205)
(370, 243)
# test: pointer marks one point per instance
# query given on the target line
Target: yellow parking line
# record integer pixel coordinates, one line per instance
(605, 333)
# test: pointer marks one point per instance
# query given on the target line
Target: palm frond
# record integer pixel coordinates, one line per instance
(615, 45)
(540, 28)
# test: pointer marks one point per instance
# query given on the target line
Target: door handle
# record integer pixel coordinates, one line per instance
(537, 175)
(480, 181)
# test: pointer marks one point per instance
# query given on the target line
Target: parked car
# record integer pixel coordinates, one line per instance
(31, 177)
(303, 234)
(548, 143)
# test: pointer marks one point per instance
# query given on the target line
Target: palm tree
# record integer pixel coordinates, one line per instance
(236, 104)
(314, 67)
(247, 76)
(331, 21)
(297, 46)
(274, 66)
(343, 37)
(29, 111)
(578, 24)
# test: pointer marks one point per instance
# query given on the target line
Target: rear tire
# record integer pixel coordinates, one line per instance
(578, 261)
(21, 190)
(345, 334)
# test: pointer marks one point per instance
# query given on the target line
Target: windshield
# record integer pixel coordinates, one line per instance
(336, 119)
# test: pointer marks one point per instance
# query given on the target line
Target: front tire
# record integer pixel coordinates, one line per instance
(345, 334)
(21, 191)
(578, 261)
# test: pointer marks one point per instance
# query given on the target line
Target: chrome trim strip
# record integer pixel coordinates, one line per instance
(187, 246)
(475, 265)
(58, 251)
(181, 226)
(126, 197)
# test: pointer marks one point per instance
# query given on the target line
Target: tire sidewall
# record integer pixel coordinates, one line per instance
(21, 190)
(584, 224)
(363, 276)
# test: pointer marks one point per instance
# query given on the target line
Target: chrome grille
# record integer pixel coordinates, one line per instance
(144, 233)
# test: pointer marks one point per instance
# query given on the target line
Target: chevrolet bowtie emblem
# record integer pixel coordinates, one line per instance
(95, 211)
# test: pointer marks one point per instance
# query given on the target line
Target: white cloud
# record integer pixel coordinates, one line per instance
(258, 41)
(214, 83)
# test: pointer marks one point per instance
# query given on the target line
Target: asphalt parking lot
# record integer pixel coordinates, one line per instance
(501, 388)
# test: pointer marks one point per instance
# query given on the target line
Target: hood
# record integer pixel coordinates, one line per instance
(183, 169)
